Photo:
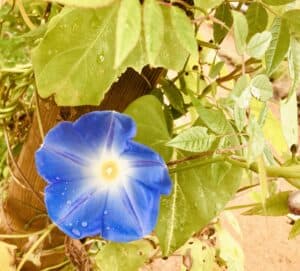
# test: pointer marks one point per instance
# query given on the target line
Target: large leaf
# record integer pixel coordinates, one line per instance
(279, 45)
(240, 30)
(261, 87)
(194, 139)
(151, 124)
(184, 30)
(258, 44)
(207, 4)
(292, 17)
(289, 119)
(153, 22)
(120, 257)
(85, 3)
(277, 2)
(198, 195)
(128, 29)
(257, 18)
(75, 60)
(294, 64)
(223, 13)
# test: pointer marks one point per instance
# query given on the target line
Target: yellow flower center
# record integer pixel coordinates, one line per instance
(109, 170)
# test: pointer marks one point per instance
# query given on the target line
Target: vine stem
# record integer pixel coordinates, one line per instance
(38, 114)
(24, 15)
(292, 172)
(34, 246)
(11, 156)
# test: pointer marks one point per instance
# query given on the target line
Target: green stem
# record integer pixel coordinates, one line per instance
(198, 164)
(234, 207)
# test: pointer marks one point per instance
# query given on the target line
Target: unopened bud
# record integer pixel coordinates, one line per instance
(294, 202)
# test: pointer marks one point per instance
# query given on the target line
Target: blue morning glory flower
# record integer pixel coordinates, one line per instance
(99, 180)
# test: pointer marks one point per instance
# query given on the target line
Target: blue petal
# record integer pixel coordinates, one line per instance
(76, 208)
(130, 213)
(147, 167)
(63, 155)
(106, 129)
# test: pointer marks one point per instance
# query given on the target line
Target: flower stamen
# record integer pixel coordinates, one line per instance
(109, 170)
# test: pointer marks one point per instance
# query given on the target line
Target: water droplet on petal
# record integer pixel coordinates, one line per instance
(107, 228)
(68, 202)
(76, 232)
(84, 224)
(105, 212)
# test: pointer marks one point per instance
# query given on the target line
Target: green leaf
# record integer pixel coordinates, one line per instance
(199, 193)
(75, 60)
(214, 120)
(258, 44)
(184, 30)
(256, 141)
(289, 119)
(194, 139)
(277, 2)
(241, 94)
(223, 13)
(151, 124)
(202, 255)
(239, 117)
(126, 256)
(292, 17)
(295, 231)
(216, 69)
(261, 87)
(174, 95)
(153, 22)
(257, 18)
(240, 30)
(85, 3)
(207, 4)
(294, 64)
(128, 29)
(276, 205)
(271, 127)
(279, 45)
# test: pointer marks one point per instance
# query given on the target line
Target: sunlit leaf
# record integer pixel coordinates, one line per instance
(184, 30)
(257, 18)
(199, 193)
(85, 3)
(258, 44)
(194, 139)
(128, 29)
(277, 2)
(292, 17)
(261, 87)
(256, 141)
(207, 4)
(294, 64)
(126, 256)
(151, 124)
(240, 30)
(279, 45)
(153, 22)
(223, 13)
(289, 119)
